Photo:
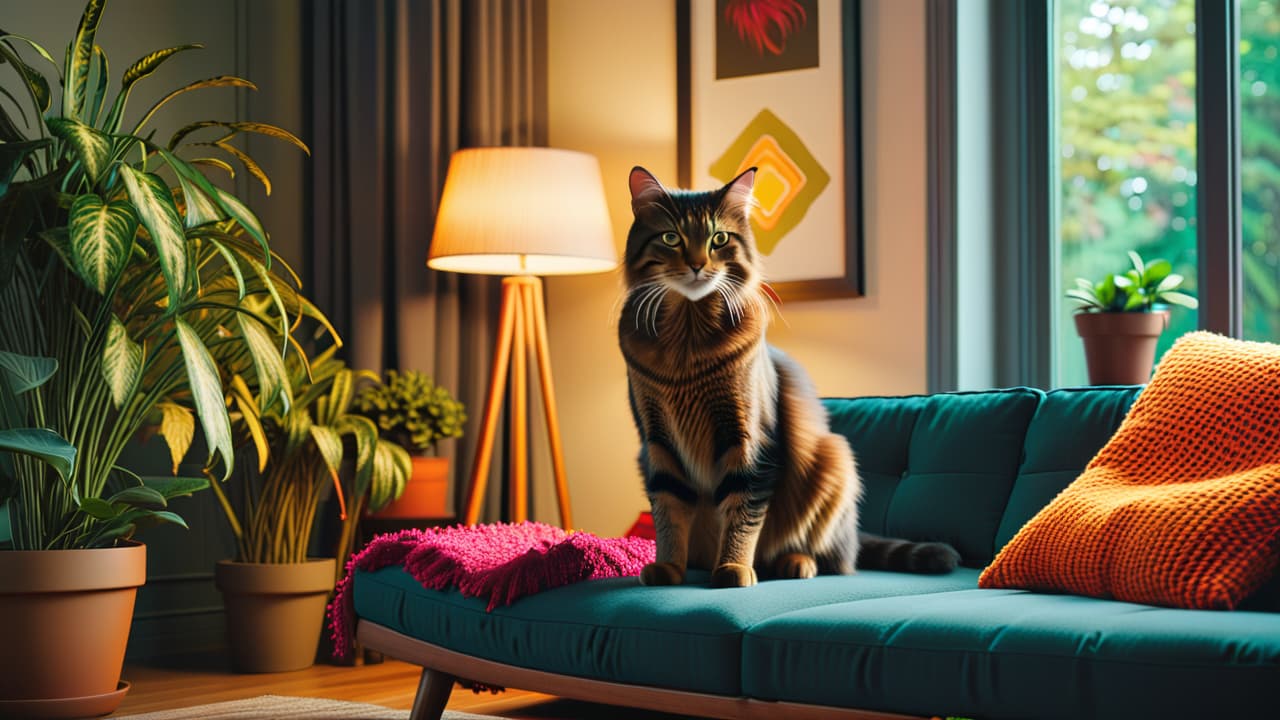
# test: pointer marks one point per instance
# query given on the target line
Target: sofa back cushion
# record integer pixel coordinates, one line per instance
(971, 468)
(938, 467)
(1068, 429)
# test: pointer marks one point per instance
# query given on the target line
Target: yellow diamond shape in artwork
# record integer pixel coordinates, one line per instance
(788, 178)
(778, 181)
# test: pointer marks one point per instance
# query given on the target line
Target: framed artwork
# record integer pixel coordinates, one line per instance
(775, 84)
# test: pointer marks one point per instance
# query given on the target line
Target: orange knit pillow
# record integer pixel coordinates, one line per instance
(1182, 505)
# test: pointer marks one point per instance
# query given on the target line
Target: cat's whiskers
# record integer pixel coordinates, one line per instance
(740, 296)
(634, 293)
(620, 302)
(734, 317)
(652, 297)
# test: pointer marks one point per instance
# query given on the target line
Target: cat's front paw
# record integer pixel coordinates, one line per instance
(661, 573)
(733, 575)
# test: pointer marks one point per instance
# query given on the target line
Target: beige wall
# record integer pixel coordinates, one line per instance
(613, 94)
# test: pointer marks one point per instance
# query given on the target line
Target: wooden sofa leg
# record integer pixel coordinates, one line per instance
(433, 695)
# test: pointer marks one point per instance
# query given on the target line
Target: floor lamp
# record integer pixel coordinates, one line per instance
(522, 212)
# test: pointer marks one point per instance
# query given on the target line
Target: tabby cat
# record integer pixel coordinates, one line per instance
(741, 468)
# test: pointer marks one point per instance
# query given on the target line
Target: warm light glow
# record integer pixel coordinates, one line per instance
(523, 211)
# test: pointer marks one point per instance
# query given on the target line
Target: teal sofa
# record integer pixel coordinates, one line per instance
(967, 468)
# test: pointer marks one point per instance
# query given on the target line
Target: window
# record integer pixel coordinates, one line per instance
(1260, 167)
(1125, 77)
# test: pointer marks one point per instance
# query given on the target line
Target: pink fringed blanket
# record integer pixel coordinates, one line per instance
(501, 562)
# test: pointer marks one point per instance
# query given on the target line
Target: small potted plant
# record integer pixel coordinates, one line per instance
(1121, 316)
(275, 592)
(412, 411)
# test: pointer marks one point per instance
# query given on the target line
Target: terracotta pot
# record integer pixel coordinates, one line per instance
(66, 617)
(426, 495)
(274, 611)
(1120, 347)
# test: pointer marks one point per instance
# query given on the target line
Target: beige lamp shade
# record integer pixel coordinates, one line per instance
(523, 211)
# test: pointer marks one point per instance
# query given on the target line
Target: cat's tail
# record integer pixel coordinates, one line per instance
(882, 553)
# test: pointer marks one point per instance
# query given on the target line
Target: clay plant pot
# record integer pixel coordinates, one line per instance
(274, 611)
(426, 495)
(1120, 347)
(66, 617)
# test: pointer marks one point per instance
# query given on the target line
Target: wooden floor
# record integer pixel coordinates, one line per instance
(185, 682)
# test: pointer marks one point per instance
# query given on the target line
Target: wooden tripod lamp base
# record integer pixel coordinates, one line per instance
(522, 331)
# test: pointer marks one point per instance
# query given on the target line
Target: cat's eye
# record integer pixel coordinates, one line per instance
(720, 239)
(670, 239)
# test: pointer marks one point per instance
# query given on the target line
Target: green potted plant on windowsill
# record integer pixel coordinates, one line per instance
(1120, 319)
(275, 593)
(110, 245)
(411, 410)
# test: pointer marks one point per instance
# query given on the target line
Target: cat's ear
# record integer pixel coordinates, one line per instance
(737, 194)
(645, 188)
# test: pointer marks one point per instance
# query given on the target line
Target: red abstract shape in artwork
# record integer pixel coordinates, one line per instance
(765, 24)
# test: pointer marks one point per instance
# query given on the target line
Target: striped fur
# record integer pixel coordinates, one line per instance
(743, 473)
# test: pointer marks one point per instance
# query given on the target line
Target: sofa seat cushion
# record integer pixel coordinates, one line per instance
(686, 638)
(1015, 654)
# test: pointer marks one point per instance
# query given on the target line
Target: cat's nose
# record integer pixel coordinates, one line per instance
(697, 268)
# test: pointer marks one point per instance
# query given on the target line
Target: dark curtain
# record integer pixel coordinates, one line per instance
(398, 86)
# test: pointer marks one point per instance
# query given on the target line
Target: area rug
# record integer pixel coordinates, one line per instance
(280, 707)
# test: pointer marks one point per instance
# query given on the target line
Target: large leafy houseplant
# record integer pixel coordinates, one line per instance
(125, 272)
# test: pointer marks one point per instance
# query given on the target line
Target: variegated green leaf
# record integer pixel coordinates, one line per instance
(35, 83)
(329, 443)
(222, 165)
(244, 216)
(391, 469)
(206, 391)
(158, 214)
(200, 207)
(145, 66)
(121, 363)
(339, 397)
(233, 265)
(213, 82)
(249, 163)
(101, 78)
(178, 428)
(92, 147)
(366, 434)
(297, 425)
(403, 462)
(238, 127)
(101, 239)
(273, 379)
(79, 56)
(267, 282)
(253, 423)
